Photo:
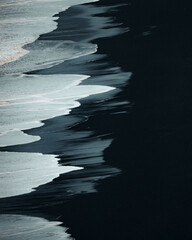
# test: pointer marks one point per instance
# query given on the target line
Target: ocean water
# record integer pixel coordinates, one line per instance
(19, 21)
(27, 170)
(26, 100)
(24, 227)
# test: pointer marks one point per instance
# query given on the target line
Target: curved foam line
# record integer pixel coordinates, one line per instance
(81, 78)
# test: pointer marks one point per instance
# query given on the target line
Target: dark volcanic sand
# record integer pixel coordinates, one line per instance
(152, 198)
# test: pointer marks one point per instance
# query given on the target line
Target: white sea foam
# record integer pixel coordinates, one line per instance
(15, 137)
(22, 172)
(17, 227)
(27, 100)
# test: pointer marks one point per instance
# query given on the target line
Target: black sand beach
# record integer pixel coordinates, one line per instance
(148, 195)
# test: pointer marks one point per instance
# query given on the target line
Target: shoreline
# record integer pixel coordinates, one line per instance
(95, 167)
(151, 198)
